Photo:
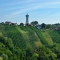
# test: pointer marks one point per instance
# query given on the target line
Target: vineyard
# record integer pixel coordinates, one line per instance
(29, 41)
(54, 35)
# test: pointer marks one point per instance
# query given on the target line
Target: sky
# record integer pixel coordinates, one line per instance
(43, 11)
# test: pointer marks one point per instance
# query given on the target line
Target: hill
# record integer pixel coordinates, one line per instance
(29, 43)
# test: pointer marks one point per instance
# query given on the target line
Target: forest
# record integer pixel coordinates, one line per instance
(29, 43)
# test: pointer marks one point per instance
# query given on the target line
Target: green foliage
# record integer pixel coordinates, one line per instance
(13, 31)
(34, 23)
(43, 25)
(48, 26)
(4, 56)
(28, 43)
(40, 35)
(48, 38)
(54, 35)
(1, 58)
(7, 49)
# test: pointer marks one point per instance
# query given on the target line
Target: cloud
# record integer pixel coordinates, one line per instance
(16, 2)
(15, 9)
(37, 6)
(32, 6)
(31, 3)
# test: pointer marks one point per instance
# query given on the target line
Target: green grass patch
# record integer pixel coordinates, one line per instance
(48, 38)
(1, 58)
(54, 36)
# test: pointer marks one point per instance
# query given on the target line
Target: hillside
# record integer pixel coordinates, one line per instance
(29, 43)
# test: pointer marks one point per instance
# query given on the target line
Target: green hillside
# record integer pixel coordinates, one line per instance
(28, 43)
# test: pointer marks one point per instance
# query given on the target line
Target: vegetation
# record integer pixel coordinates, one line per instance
(29, 43)
(34, 23)
(43, 25)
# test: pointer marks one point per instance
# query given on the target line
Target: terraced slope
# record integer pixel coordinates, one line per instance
(48, 38)
(30, 36)
(44, 37)
(18, 39)
(44, 44)
(23, 36)
(54, 35)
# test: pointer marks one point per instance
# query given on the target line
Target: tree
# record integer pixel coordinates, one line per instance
(21, 24)
(48, 26)
(29, 53)
(34, 23)
(35, 56)
(43, 25)
(5, 57)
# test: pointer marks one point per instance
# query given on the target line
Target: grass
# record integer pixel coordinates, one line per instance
(1, 58)
(37, 43)
(40, 35)
(47, 38)
(54, 36)
(25, 36)
(0, 34)
(30, 36)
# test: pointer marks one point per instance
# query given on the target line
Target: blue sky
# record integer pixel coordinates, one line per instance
(43, 11)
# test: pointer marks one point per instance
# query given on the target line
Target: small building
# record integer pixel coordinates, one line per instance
(7, 22)
(38, 26)
(10, 23)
